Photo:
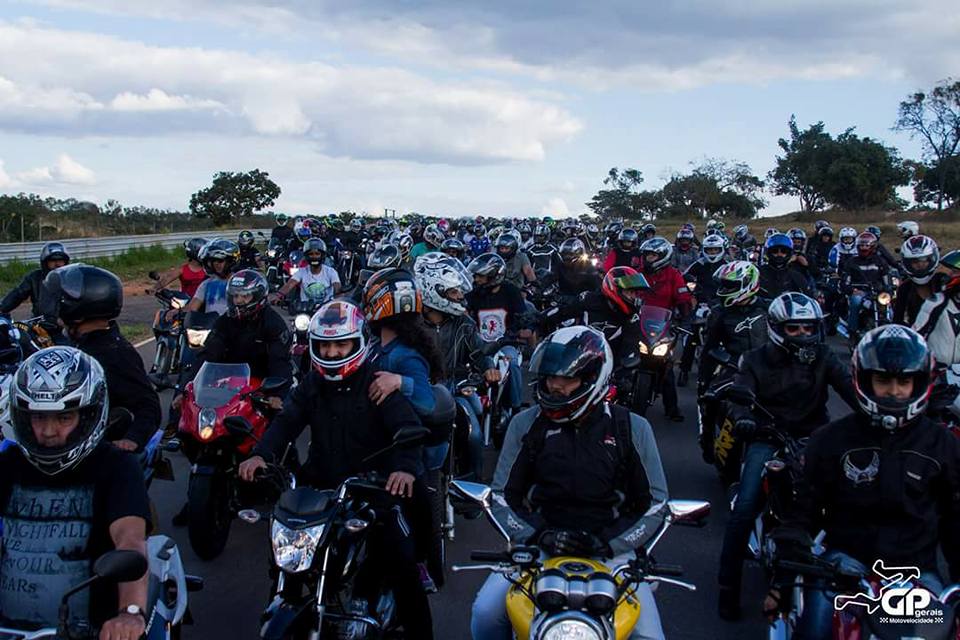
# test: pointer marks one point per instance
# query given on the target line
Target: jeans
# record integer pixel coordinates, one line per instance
(853, 312)
(513, 394)
(816, 621)
(489, 621)
(750, 503)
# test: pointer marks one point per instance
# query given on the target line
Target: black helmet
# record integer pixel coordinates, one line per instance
(385, 256)
(219, 249)
(572, 250)
(245, 239)
(453, 247)
(193, 247)
(489, 265)
(541, 234)
(507, 245)
(628, 239)
(247, 282)
(53, 251)
(580, 352)
(893, 351)
(648, 230)
(84, 292)
(313, 246)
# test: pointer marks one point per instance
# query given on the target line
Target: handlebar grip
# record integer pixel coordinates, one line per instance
(670, 570)
(490, 556)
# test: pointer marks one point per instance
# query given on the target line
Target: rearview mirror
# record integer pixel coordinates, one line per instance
(272, 383)
(153, 275)
(688, 512)
(473, 491)
(120, 565)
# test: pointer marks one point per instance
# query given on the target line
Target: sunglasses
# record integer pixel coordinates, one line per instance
(794, 329)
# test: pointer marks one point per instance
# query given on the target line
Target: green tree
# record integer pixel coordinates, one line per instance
(939, 181)
(800, 170)
(935, 118)
(862, 173)
(715, 187)
(619, 201)
(234, 195)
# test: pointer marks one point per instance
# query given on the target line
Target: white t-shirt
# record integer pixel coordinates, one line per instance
(316, 287)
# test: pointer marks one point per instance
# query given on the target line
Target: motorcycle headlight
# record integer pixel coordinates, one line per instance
(569, 629)
(301, 322)
(177, 303)
(206, 421)
(661, 350)
(692, 286)
(643, 348)
(884, 298)
(293, 549)
(197, 337)
(594, 261)
(271, 253)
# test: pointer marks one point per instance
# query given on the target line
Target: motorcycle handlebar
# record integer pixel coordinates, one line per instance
(490, 556)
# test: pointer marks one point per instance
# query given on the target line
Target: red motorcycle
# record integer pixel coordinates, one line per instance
(219, 391)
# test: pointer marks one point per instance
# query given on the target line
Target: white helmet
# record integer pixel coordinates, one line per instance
(920, 257)
(713, 242)
(908, 228)
(848, 232)
(437, 273)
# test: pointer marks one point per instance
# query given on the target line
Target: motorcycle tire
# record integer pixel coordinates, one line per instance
(437, 550)
(208, 506)
(163, 359)
(642, 393)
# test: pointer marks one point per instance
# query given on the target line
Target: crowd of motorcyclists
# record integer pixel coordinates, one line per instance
(392, 321)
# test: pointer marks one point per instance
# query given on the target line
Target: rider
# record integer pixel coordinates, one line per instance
(543, 256)
(844, 249)
(53, 255)
(519, 269)
(668, 290)
(282, 231)
(190, 274)
(936, 322)
(218, 258)
(883, 482)
(316, 284)
(744, 242)
(577, 475)
(67, 497)
(700, 281)
(345, 429)
(862, 273)
(479, 243)
(577, 274)
(882, 251)
(433, 237)
(684, 252)
(626, 252)
(89, 300)
(250, 257)
(920, 258)
(789, 378)
(778, 276)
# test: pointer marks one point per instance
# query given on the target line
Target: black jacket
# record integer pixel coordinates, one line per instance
(592, 308)
(570, 476)
(127, 383)
(701, 273)
(460, 343)
(572, 281)
(774, 281)
(248, 259)
(795, 393)
(737, 329)
(283, 233)
(31, 287)
(858, 272)
(884, 495)
(818, 257)
(345, 427)
(263, 343)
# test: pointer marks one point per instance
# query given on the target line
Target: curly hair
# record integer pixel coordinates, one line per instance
(412, 331)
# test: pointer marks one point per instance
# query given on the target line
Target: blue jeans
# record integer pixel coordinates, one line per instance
(750, 503)
(489, 621)
(853, 312)
(513, 394)
(816, 621)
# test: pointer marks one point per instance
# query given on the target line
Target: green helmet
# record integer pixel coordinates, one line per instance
(738, 282)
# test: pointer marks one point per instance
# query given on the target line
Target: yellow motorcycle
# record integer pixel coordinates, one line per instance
(572, 597)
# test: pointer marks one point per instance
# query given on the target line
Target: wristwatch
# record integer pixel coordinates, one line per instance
(135, 610)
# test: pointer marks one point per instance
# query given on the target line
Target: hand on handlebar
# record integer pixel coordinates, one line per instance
(249, 467)
(123, 627)
(745, 428)
(491, 375)
(400, 483)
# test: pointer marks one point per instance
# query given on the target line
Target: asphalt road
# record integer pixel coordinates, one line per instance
(237, 588)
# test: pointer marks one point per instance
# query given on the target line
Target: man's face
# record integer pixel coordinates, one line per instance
(562, 385)
(480, 280)
(51, 430)
(887, 385)
(241, 299)
(219, 266)
(454, 295)
(335, 349)
(56, 263)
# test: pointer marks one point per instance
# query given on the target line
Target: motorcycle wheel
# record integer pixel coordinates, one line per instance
(208, 499)
(164, 358)
(437, 551)
(642, 393)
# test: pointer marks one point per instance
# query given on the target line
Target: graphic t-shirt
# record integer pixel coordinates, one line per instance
(54, 527)
(494, 312)
(316, 287)
(213, 292)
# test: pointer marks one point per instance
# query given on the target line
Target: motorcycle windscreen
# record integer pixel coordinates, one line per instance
(216, 384)
(654, 321)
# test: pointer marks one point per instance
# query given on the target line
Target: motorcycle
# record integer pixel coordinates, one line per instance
(166, 359)
(648, 368)
(348, 266)
(573, 597)
(876, 309)
(167, 605)
(34, 335)
(496, 417)
(213, 495)
(319, 540)
(276, 255)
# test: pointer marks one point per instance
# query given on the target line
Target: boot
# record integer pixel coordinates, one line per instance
(728, 603)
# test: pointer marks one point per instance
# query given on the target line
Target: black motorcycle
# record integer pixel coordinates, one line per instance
(166, 358)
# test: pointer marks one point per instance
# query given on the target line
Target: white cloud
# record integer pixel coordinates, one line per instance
(6, 182)
(556, 208)
(74, 83)
(65, 171)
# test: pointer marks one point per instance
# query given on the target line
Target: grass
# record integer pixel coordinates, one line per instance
(135, 331)
(132, 264)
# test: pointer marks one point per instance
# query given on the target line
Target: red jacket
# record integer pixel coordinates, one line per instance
(619, 258)
(667, 289)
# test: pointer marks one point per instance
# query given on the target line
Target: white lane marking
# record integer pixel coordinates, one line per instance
(142, 343)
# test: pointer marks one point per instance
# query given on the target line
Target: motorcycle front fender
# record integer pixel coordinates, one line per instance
(281, 618)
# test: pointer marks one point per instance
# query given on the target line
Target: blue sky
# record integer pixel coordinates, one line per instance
(492, 107)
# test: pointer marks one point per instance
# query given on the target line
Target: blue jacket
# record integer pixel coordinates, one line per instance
(403, 360)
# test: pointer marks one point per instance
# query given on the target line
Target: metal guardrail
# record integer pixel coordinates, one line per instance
(79, 248)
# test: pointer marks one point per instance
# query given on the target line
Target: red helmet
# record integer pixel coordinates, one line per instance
(335, 321)
(620, 286)
(866, 244)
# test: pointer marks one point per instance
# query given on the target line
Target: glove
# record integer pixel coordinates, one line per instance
(745, 428)
(563, 542)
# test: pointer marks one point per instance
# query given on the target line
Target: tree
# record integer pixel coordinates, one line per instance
(801, 169)
(715, 187)
(939, 181)
(935, 118)
(620, 200)
(862, 173)
(234, 195)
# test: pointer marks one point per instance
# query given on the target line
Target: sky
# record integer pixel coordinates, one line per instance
(455, 108)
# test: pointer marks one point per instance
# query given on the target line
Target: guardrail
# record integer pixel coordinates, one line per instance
(110, 246)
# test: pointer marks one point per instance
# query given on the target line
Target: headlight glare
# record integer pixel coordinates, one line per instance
(884, 298)
(661, 350)
(643, 348)
(197, 337)
(570, 629)
(301, 322)
(293, 549)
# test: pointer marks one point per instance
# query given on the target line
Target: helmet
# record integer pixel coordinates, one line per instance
(507, 246)
(908, 228)
(866, 244)
(301, 229)
(620, 280)
(592, 231)
(825, 231)
(384, 257)
(793, 310)
(433, 236)
(436, 274)
(778, 241)
(193, 246)
(848, 236)
(769, 232)
(875, 230)
(580, 352)
(712, 248)
(737, 282)
(541, 234)
(454, 247)
(688, 225)
(712, 223)
(740, 232)
(479, 230)
(628, 239)
(53, 251)
(951, 260)
(648, 230)
(389, 293)
(684, 234)
(662, 249)
(573, 250)
(799, 237)
(84, 292)
(613, 229)
(314, 246)
(820, 224)
(219, 249)
(405, 244)
(334, 321)
(245, 239)
(356, 225)
(55, 380)
(10, 352)
(281, 219)
(893, 351)
(247, 282)
(490, 265)
(495, 232)
(920, 257)
(570, 227)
